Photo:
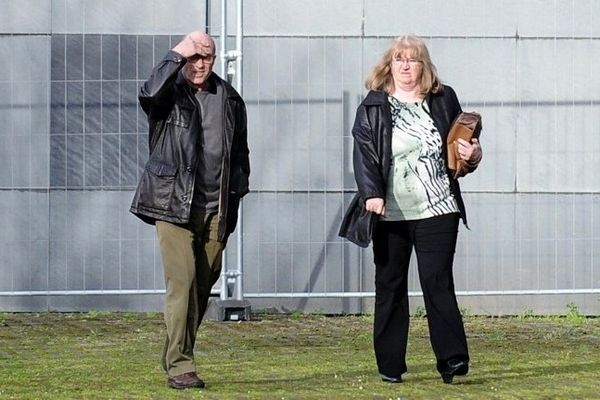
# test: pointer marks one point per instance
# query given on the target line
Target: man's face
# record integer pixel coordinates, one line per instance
(199, 66)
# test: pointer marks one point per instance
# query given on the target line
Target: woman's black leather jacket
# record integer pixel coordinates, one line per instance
(372, 133)
(166, 186)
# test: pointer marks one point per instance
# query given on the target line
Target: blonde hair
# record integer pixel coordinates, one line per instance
(381, 78)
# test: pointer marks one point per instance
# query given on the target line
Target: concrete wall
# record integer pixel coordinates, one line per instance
(73, 142)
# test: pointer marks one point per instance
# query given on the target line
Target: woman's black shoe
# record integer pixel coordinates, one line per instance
(390, 379)
(454, 367)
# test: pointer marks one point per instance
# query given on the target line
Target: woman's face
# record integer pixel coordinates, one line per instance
(406, 70)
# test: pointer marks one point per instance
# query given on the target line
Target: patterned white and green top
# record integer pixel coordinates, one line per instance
(418, 186)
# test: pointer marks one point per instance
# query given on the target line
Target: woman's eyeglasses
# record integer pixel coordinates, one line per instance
(409, 61)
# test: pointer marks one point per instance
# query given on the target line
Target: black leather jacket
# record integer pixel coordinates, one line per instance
(372, 133)
(166, 187)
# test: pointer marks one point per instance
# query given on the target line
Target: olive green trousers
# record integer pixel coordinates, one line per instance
(191, 256)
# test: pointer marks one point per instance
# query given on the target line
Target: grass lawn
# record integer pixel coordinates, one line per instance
(101, 355)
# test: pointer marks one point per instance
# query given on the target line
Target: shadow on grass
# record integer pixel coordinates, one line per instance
(522, 372)
(494, 376)
(416, 374)
(304, 378)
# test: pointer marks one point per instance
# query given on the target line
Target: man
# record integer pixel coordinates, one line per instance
(191, 187)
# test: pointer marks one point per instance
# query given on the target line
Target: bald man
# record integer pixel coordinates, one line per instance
(191, 187)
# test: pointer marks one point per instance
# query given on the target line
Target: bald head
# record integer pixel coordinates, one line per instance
(196, 42)
(199, 50)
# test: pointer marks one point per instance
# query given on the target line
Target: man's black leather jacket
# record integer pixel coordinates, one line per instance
(372, 133)
(166, 187)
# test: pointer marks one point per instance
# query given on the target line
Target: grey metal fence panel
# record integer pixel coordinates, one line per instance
(72, 145)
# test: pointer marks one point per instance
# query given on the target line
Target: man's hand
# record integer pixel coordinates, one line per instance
(186, 47)
(193, 43)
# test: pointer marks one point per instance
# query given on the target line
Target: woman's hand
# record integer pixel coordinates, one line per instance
(470, 152)
(376, 205)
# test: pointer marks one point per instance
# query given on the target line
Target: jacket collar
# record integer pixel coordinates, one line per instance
(378, 97)
(229, 91)
(375, 98)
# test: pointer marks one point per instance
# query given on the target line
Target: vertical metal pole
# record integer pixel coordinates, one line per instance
(224, 295)
(223, 39)
(237, 292)
(238, 46)
(239, 289)
(207, 17)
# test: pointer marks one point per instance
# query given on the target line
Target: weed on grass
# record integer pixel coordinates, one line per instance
(574, 316)
(102, 355)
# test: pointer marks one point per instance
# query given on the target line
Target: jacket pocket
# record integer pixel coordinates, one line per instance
(158, 183)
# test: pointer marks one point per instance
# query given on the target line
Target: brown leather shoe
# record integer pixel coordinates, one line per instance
(187, 380)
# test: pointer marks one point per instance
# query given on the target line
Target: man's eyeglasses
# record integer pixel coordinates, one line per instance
(204, 58)
(409, 61)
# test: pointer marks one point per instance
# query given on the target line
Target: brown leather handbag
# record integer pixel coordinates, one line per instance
(467, 125)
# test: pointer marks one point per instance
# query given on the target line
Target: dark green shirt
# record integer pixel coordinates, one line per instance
(210, 156)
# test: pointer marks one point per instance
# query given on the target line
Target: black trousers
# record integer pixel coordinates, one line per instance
(434, 241)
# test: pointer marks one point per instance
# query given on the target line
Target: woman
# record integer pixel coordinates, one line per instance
(400, 169)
